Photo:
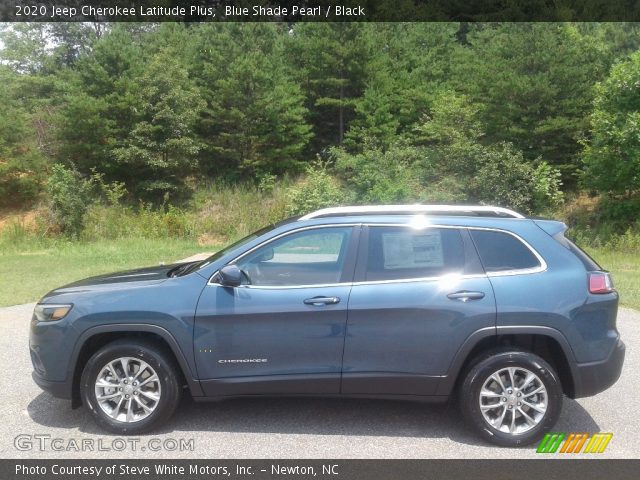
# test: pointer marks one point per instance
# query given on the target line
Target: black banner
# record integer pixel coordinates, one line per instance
(318, 10)
(200, 469)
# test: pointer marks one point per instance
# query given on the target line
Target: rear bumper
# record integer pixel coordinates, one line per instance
(57, 389)
(595, 377)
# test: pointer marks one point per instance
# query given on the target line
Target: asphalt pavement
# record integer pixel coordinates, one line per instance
(33, 424)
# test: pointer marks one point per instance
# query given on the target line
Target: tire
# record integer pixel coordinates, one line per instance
(159, 379)
(523, 421)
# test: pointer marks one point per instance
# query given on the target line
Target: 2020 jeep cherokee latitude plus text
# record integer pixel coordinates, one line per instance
(407, 302)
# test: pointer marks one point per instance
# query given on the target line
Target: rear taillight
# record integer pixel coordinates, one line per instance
(600, 282)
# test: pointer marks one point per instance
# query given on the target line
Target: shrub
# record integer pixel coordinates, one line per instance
(317, 190)
(226, 212)
(266, 183)
(117, 221)
(620, 211)
(601, 221)
(628, 242)
(547, 183)
(20, 181)
(504, 178)
(379, 176)
(112, 192)
(68, 200)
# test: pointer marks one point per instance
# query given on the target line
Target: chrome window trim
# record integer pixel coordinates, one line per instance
(371, 282)
(504, 273)
(446, 276)
(285, 287)
(266, 242)
(518, 271)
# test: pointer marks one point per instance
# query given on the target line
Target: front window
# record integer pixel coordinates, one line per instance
(308, 257)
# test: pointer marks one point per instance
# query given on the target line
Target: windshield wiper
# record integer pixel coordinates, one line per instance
(174, 272)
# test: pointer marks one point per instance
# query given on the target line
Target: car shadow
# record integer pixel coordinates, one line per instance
(308, 416)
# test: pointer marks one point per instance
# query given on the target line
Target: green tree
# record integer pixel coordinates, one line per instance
(101, 106)
(534, 81)
(374, 120)
(161, 149)
(254, 121)
(408, 67)
(331, 61)
(68, 197)
(612, 157)
(453, 134)
(21, 161)
(46, 47)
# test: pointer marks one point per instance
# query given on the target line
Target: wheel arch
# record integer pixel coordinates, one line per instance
(546, 342)
(96, 337)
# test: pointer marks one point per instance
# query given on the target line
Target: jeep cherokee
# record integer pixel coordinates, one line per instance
(415, 302)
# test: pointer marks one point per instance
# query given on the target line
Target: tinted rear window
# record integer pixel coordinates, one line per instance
(501, 251)
(396, 253)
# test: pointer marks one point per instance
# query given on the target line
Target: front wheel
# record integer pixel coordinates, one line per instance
(512, 398)
(130, 387)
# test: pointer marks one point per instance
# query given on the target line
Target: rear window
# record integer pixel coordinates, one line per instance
(500, 251)
(588, 262)
(396, 253)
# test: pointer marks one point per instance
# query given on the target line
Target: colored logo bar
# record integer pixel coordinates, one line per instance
(574, 443)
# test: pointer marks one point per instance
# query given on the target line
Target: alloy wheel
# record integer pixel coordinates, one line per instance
(127, 389)
(513, 400)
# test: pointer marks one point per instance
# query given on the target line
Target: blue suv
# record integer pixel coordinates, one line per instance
(410, 302)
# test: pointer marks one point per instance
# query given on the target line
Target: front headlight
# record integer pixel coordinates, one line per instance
(49, 312)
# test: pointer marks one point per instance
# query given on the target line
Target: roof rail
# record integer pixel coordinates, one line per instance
(471, 210)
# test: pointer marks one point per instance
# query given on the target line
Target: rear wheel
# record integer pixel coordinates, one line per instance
(130, 387)
(511, 397)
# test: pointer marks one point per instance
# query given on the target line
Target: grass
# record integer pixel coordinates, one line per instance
(625, 268)
(30, 270)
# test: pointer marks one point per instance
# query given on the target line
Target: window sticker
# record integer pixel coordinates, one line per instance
(412, 250)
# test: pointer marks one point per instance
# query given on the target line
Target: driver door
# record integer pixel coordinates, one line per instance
(282, 331)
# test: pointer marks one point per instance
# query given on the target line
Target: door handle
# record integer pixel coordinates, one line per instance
(319, 301)
(465, 296)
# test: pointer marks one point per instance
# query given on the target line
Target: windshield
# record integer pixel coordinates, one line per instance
(203, 263)
(228, 248)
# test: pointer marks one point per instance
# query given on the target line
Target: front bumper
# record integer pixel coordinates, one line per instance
(595, 377)
(57, 389)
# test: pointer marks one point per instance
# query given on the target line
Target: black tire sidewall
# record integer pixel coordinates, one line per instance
(476, 377)
(157, 359)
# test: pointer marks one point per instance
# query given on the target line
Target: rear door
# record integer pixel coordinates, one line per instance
(419, 293)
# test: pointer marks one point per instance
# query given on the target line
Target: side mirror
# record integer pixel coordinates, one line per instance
(230, 276)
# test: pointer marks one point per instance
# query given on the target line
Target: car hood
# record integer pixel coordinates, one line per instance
(124, 279)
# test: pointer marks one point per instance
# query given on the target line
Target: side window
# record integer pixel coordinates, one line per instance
(500, 251)
(396, 253)
(309, 257)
